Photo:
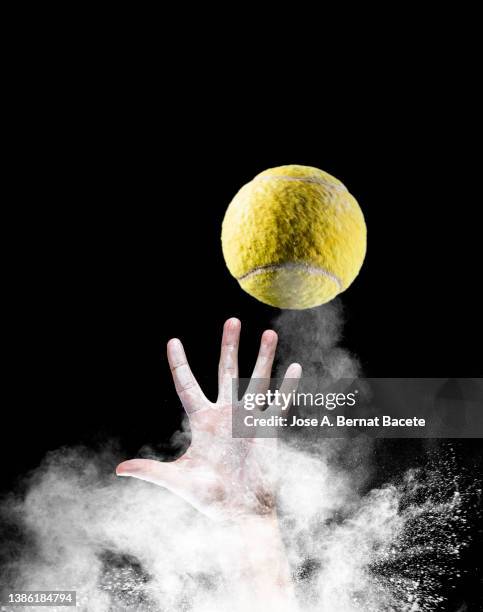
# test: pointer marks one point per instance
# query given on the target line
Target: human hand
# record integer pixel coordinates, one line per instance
(221, 476)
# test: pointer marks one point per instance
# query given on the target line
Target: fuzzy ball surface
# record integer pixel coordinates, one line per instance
(294, 237)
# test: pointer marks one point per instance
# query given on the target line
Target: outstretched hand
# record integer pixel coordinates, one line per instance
(222, 476)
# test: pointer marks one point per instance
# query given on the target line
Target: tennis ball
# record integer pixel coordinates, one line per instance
(294, 237)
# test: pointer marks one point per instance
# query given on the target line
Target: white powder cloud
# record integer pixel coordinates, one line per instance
(124, 544)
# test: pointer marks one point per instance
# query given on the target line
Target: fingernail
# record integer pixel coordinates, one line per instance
(121, 470)
(294, 370)
(269, 335)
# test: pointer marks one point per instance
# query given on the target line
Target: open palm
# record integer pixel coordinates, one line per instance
(222, 476)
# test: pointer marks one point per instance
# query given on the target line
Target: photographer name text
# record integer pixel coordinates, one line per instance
(333, 421)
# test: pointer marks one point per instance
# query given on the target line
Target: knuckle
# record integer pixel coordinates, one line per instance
(175, 366)
(186, 386)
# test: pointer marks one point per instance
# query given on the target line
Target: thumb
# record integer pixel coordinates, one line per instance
(162, 474)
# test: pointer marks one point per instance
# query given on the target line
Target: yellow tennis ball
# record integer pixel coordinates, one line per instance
(294, 237)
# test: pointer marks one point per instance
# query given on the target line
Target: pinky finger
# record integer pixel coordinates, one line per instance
(290, 382)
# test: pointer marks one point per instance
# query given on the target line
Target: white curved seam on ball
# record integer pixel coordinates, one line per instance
(304, 179)
(292, 266)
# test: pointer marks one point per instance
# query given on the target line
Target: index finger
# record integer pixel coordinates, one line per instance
(187, 386)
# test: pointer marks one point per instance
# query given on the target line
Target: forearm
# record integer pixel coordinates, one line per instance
(263, 567)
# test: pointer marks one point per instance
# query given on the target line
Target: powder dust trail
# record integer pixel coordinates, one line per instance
(312, 338)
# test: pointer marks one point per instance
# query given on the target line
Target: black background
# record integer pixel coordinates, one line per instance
(118, 249)
(115, 245)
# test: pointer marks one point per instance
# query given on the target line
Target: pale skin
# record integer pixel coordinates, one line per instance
(225, 478)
